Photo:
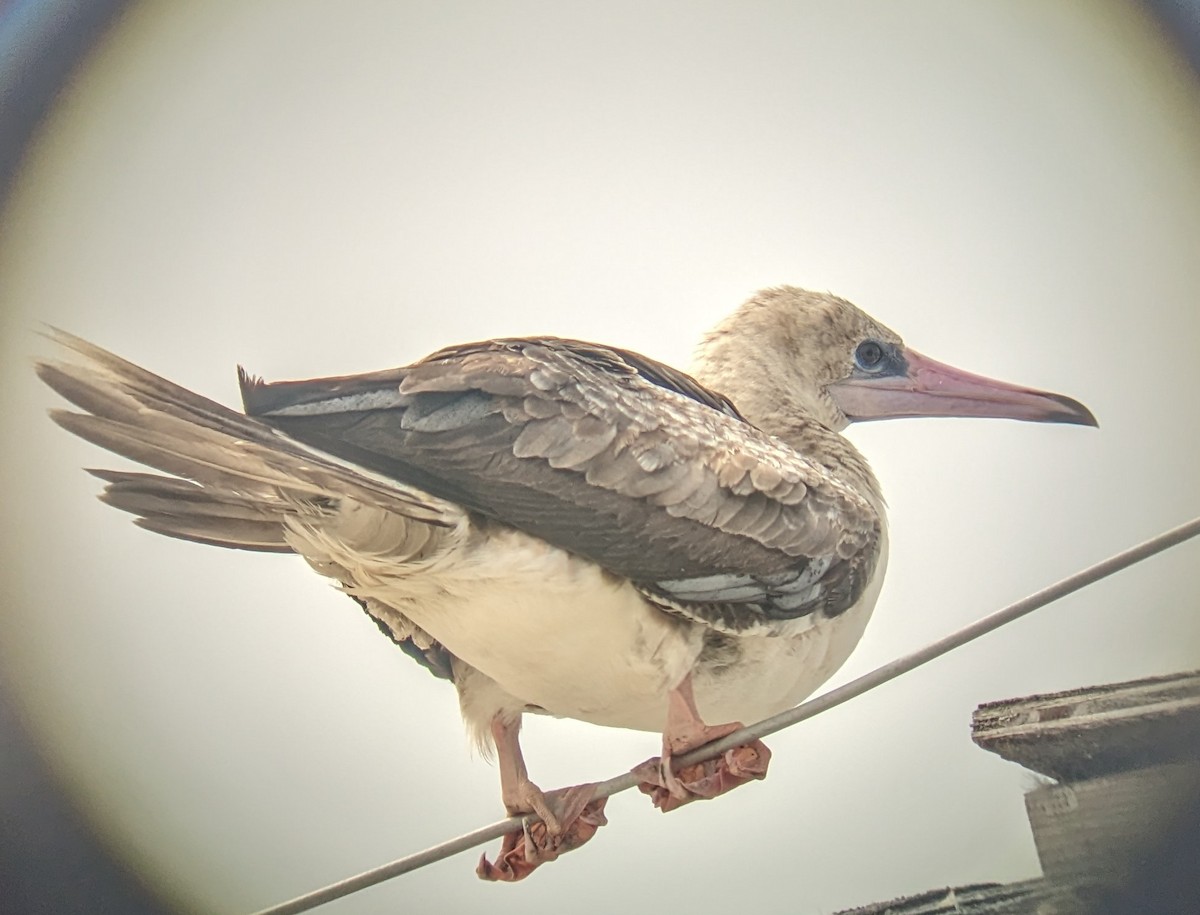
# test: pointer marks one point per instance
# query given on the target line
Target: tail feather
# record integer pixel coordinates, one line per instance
(146, 493)
(187, 511)
(233, 479)
(260, 537)
(175, 447)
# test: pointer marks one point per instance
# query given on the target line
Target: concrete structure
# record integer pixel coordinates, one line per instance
(1117, 828)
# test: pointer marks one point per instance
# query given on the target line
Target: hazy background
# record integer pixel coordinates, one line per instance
(1015, 188)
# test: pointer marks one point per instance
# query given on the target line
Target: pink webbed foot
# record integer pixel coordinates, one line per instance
(568, 816)
(574, 816)
(669, 787)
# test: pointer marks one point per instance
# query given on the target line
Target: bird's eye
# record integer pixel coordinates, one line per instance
(869, 356)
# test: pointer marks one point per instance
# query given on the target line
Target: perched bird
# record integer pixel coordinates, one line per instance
(566, 528)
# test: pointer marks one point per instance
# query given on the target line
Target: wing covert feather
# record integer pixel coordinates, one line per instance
(607, 454)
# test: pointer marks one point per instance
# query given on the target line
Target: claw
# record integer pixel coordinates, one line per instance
(578, 815)
(563, 819)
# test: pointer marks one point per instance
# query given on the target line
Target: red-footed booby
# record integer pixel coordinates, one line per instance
(565, 528)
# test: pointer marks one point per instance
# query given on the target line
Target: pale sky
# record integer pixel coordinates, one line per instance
(1015, 188)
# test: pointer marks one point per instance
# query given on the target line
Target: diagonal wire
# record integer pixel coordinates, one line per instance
(824, 702)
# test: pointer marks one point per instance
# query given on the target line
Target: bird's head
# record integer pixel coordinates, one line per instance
(840, 365)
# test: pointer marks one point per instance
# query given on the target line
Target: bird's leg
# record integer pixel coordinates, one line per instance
(568, 817)
(519, 794)
(685, 731)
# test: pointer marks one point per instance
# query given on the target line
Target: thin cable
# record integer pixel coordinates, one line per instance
(812, 707)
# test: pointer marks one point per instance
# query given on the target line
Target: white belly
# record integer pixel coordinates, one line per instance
(556, 632)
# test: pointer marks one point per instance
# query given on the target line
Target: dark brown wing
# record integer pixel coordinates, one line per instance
(607, 454)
